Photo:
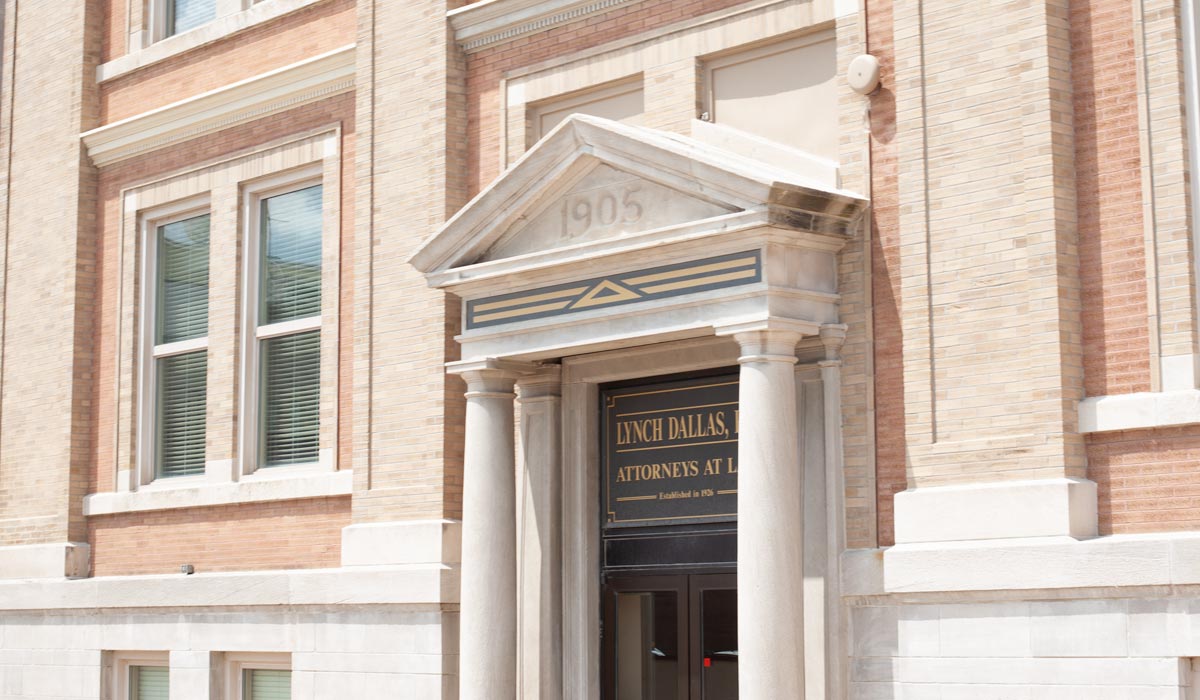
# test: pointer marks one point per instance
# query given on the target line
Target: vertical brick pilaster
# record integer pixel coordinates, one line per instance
(988, 251)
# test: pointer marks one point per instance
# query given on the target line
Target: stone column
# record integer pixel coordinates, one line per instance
(770, 519)
(539, 537)
(487, 663)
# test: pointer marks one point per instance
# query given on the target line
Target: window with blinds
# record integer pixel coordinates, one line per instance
(266, 684)
(181, 345)
(289, 336)
(149, 683)
(183, 15)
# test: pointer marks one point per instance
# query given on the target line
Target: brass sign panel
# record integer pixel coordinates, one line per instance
(670, 452)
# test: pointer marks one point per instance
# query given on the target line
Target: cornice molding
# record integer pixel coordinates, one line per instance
(275, 91)
(491, 22)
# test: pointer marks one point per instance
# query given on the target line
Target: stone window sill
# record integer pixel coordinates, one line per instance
(254, 488)
(1139, 411)
(213, 31)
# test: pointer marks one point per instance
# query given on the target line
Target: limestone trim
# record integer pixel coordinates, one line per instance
(45, 561)
(1138, 411)
(237, 663)
(251, 489)
(122, 663)
(998, 510)
(402, 542)
(433, 586)
(679, 44)
(303, 82)
(492, 22)
(1027, 564)
(147, 47)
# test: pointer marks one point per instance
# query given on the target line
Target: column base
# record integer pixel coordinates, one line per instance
(402, 542)
(998, 510)
(56, 560)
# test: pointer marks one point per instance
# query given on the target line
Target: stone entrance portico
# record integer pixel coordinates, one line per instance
(655, 253)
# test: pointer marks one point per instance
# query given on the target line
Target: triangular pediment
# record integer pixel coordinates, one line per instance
(592, 180)
(606, 202)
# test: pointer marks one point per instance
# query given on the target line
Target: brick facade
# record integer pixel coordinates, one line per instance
(284, 535)
(1018, 434)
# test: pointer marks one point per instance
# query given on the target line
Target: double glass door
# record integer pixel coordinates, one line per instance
(670, 637)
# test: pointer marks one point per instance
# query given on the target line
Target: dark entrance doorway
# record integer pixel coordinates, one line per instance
(669, 531)
(670, 637)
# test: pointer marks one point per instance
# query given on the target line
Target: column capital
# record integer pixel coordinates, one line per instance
(544, 383)
(492, 366)
(490, 377)
(833, 337)
(768, 340)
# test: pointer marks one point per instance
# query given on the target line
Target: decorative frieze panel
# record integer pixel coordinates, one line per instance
(613, 290)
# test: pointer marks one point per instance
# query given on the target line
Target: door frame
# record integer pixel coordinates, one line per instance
(581, 539)
(688, 588)
(615, 585)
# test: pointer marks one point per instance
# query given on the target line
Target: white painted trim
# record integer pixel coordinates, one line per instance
(997, 510)
(179, 347)
(299, 325)
(492, 22)
(218, 29)
(253, 98)
(165, 495)
(1036, 564)
(1138, 411)
(418, 585)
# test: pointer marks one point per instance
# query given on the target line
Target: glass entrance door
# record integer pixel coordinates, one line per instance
(670, 638)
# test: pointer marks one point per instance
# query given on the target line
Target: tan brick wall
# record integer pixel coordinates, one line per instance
(336, 110)
(1148, 481)
(890, 477)
(51, 51)
(1112, 254)
(281, 535)
(280, 42)
(990, 298)
(410, 169)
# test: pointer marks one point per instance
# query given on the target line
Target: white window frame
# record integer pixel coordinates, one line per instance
(122, 666)
(252, 335)
(150, 352)
(237, 664)
(157, 21)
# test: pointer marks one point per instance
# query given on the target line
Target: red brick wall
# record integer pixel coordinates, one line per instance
(286, 40)
(890, 473)
(302, 534)
(1108, 183)
(113, 35)
(486, 68)
(1148, 481)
